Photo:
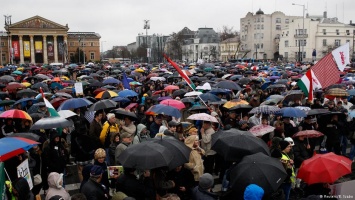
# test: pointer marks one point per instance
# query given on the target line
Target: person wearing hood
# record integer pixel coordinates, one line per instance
(55, 182)
(21, 190)
(253, 192)
(142, 134)
(195, 163)
(126, 140)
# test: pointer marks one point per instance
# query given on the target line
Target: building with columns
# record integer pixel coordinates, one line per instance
(39, 40)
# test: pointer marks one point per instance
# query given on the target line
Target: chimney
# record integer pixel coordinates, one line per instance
(325, 14)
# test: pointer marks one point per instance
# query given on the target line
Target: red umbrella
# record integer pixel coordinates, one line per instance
(12, 146)
(324, 168)
(14, 86)
(174, 103)
(308, 134)
(15, 113)
(171, 87)
(57, 101)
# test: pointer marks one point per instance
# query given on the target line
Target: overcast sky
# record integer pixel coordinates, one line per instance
(119, 21)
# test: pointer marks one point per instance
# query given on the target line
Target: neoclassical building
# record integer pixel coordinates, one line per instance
(39, 40)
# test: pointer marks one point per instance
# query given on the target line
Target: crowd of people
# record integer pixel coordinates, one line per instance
(96, 140)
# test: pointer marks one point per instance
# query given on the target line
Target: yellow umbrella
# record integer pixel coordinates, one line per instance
(234, 102)
(65, 78)
(20, 69)
(106, 94)
(26, 84)
(139, 70)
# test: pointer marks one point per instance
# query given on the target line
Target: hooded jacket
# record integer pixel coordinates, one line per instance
(139, 137)
(55, 187)
(195, 163)
(253, 192)
(23, 189)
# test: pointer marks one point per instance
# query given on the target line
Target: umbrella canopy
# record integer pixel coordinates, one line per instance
(103, 104)
(66, 113)
(193, 93)
(111, 81)
(324, 168)
(308, 134)
(121, 114)
(56, 102)
(291, 112)
(127, 93)
(317, 112)
(205, 86)
(179, 92)
(14, 86)
(7, 78)
(174, 103)
(203, 117)
(30, 136)
(177, 148)
(63, 94)
(337, 92)
(106, 94)
(209, 97)
(228, 85)
(7, 102)
(15, 113)
(265, 109)
(261, 130)
(26, 93)
(241, 108)
(146, 155)
(235, 144)
(12, 146)
(294, 95)
(171, 87)
(25, 100)
(51, 122)
(165, 110)
(74, 103)
(234, 102)
(259, 169)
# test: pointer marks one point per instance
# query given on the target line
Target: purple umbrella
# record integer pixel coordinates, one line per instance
(274, 77)
(164, 98)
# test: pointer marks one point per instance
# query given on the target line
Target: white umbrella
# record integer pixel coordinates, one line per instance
(226, 76)
(203, 117)
(157, 78)
(194, 93)
(66, 113)
(261, 130)
(205, 86)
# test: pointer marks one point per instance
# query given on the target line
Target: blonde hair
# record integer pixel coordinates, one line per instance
(99, 153)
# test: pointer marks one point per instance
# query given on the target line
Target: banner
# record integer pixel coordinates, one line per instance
(2, 181)
(16, 47)
(50, 50)
(24, 171)
(79, 88)
(26, 49)
(38, 46)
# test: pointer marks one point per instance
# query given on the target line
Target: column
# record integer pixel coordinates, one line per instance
(55, 49)
(33, 59)
(65, 49)
(22, 60)
(11, 58)
(45, 54)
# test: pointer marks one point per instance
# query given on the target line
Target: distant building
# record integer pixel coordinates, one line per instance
(229, 48)
(320, 36)
(260, 34)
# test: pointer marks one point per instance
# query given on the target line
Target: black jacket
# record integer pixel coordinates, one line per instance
(301, 152)
(199, 194)
(132, 187)
(93, 190)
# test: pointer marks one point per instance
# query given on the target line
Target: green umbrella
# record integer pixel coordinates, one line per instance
(6, 102)
(17, 72)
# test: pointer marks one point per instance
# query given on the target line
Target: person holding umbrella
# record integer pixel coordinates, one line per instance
(288, 164)
(301, 151)
(109, 128)
(206, 143)
(195, 163)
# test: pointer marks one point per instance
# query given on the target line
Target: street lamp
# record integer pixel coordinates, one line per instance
(102, 49)
(7, 24)
(146, 27)
(79, 39)
(299, 41)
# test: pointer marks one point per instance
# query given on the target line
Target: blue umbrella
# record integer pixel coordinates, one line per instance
(351, 92)
(74, 103)
(121, 99)
(219, 90)
(12, 146)
(54, 85)
(111, 81)
(127, 93)
(209, 97)
(291, 112)
(165, 110)
(265, 85)
(25, 100)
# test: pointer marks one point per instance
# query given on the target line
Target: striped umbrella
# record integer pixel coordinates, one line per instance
(337, 92)
(15, 113)
(265, 109)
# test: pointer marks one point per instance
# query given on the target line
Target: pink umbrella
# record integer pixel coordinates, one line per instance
(174, 103)
(203, 117)
(261, 130)
(308, 134)
(171, 87)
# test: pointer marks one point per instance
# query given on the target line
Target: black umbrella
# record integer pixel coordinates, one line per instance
(179, 92)
(179, 150)
(103, 104)
(317, 112)
(96, 83)
(30, 136)
(234, 144)
(276, 86)
(259, 169)
(228, 85)
(7, 102)
(241, 108)
(188, 100)
(7, 78)
(146, 155)
(36, 116)
(244, 81)
(326, 117)
(38, 85)
(34, 108)
(198, 108)
(51, 122)
(26, 92)
(63, 94)
(121, 114)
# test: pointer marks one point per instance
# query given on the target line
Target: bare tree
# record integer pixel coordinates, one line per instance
(227, 32)
(174, 47)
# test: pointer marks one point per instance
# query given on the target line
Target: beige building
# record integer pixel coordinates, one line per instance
(260, 34)
(229, 48)
(39, 40)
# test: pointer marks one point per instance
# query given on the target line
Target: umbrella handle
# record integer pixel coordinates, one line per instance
(7, 174)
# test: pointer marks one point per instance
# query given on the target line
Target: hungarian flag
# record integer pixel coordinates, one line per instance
(323, 74)
(182, 74)
(51, 110)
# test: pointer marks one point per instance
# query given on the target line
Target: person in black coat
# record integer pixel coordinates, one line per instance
(204, 189)
(184, 182)
(93, 189)
(301, 151)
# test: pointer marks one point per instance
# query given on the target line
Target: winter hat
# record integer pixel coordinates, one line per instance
(125, 135)
(99, 153)
(96, 171)
(284, 144)
(214, 114)
(253, 192)
(168, 133)
(290, 140)
(206, 181)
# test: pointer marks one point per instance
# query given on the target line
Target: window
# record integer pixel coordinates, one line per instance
(337, 43)
(254, 27)
(324, 32)
(262, 26)
(258, 26)
(262, 19)
(254, 19)
(347, 32)
(254, 35)
(296, 43)
(261, 46)
(71, 44)
(286, 43)
(304, 54)
(348, 41)
(278, 27)
(91, 44)
(287, 33)
(278, 20)
(303, 42)
(287, 21)
(205, 48)
(324, 42)
(3, 57)
(286, 55)
(337, 31)
(262, 35)
(258, 20)
(92, 56)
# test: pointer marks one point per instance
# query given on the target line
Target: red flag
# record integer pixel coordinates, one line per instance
(182, 74)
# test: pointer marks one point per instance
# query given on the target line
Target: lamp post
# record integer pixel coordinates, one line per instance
(7, 24)
(102, 49)
(146, 27)
(79, 39)
(301, 56)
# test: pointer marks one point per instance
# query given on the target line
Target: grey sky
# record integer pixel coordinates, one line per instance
(119, 21)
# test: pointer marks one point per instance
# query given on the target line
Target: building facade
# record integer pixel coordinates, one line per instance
(39, 40)
(260, 34)
(320, 36)
(229, 48)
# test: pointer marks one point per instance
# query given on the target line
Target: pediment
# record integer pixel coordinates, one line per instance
(37, 22)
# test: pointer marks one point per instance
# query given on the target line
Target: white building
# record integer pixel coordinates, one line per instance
(320, 36)
(260, 34)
